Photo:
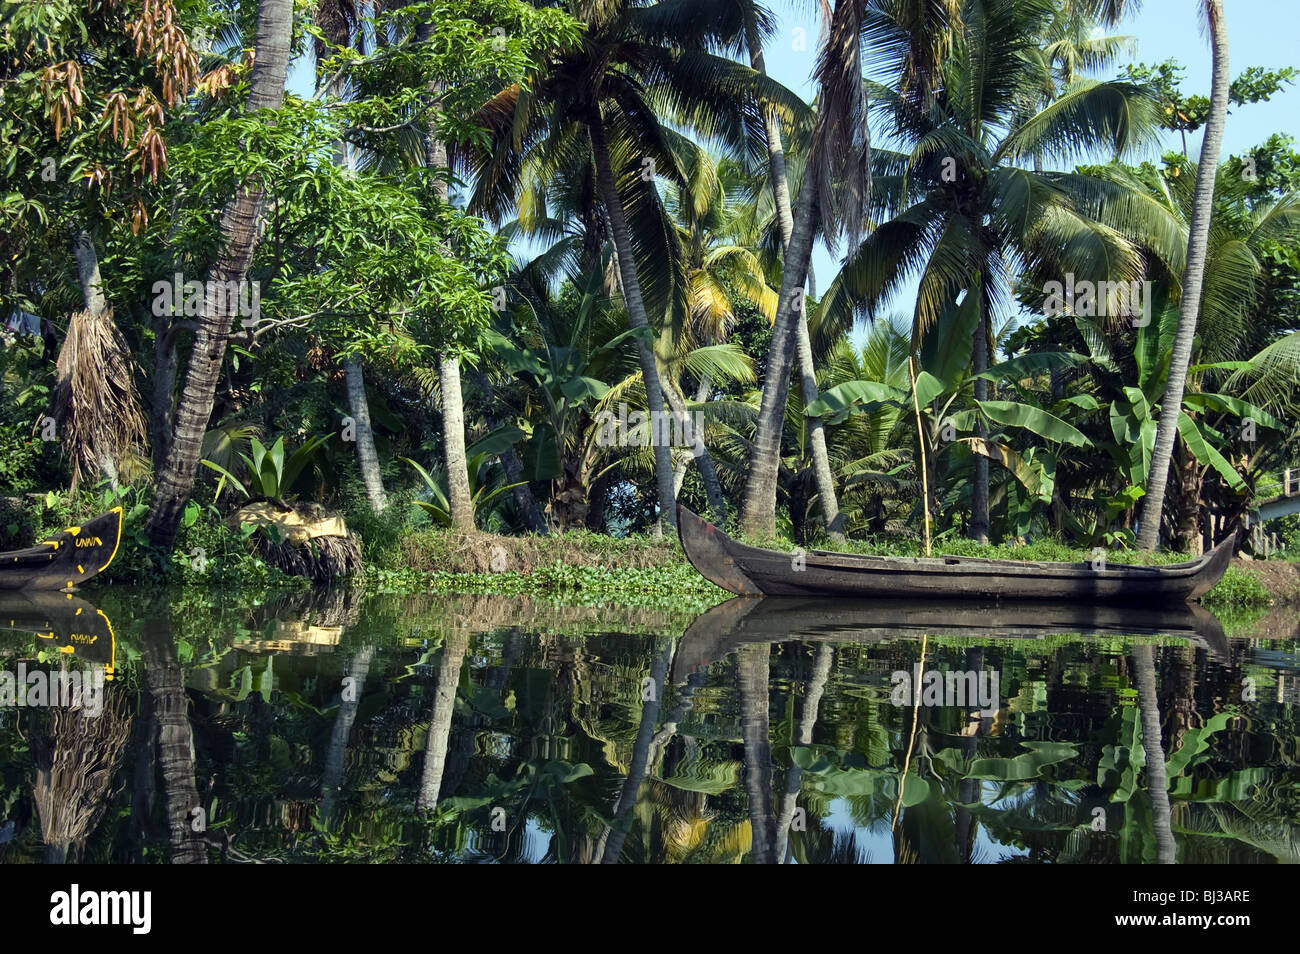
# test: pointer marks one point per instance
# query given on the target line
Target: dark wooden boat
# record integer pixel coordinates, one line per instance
(73, 556)
(776, 619)
(754, 571)
(60, 621)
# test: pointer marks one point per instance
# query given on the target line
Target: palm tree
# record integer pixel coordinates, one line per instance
(838, 153)
(634, 62)
(1193, 278)
(753, 15)
(962, 205)
(239, 238)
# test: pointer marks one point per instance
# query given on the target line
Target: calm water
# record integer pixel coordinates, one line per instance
(336, 727)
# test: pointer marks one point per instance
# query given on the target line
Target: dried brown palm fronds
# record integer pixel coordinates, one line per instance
(75, 760)
(322, 560)
(302, 539)
(96, 406)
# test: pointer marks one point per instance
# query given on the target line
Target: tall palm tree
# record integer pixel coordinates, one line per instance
(838, 153)
(239, 238)
(962, 204)
(636, 61)
(1193, 278)
(777, 169)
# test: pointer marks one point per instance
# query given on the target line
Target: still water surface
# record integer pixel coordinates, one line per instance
(337, 727)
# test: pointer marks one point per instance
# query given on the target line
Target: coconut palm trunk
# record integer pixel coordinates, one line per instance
(758, 510)
(752, 668)
(239, 236)
(95, 373)
(803, 344)
(461, 503)
(459, 499)
(444, 705)
(1198, 235)
(169, 706)
(1157, 777)
(708, 473)
(367, 458)
(636, 313)
(979, 517)
(812, 700)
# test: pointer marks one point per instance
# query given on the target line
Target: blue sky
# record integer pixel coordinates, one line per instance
(1260, 33)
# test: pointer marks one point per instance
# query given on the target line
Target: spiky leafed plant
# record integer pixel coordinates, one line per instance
(960, 201)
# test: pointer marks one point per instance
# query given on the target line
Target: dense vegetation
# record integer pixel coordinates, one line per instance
(461, 281)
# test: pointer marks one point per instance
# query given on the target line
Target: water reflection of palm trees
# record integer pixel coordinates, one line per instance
(763, 734)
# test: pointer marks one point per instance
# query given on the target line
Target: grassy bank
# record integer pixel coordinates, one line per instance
(405, 553)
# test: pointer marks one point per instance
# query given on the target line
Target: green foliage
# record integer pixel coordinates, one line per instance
(1239, 587)
(270, 472)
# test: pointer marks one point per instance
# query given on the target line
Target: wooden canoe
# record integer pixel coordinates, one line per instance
(777, 619)
(754, 571)
(71, 557)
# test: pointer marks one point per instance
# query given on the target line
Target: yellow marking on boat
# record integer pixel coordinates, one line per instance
(112, 646)
(66, 649)
(70, 597)
(80, 568)
(44, 635)
(78, 612)
(116, 543)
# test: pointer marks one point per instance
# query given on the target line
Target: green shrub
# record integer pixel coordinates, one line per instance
(1238, 588)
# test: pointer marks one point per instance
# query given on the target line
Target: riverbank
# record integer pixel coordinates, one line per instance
(652, 571)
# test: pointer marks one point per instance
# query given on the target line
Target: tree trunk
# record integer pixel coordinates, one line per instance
(1157, 777)
(92, 289)
(92, 295)
(708, 473)
(460, 500)
(367, 458)
(807, 722)
(526, 503)
(636, 313)
(758, 511)
(1198, 233)
(752, 664)
(807, 371)
(979, 517)
(349, 702)
(164, 386)
(239, 236)
(444, 705)
(453, 439)
(169, 707)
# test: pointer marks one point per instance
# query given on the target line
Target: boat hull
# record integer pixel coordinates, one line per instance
(67, 559)
(754, 571)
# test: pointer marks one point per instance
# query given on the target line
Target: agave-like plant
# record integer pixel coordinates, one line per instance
(270, 472)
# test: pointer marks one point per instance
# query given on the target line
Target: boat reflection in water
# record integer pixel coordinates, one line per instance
(748, 627)
(775, 619)
(331, 725)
